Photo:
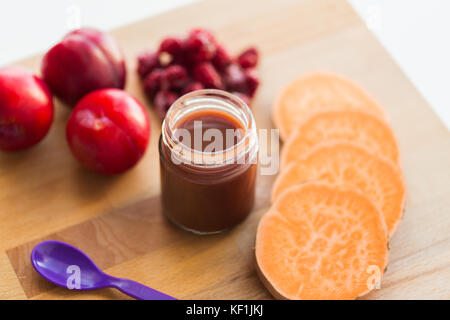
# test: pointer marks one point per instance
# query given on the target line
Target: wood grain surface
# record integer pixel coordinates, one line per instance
(44, 194)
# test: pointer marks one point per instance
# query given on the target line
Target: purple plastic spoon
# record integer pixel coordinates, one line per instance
(60, 263)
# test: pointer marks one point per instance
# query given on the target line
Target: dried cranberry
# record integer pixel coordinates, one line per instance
(207, 75)
(163, 100)
(243, 97)
(200, 46)
(248, 58)
(147, 62)
(222, 58)
(197, 62)
(235, 79)
(176, 76)
(252, 81)
(201, 32)
(154, 82)
(172, 47)
(193, 86)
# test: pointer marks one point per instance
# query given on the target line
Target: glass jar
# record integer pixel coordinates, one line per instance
(208, 185)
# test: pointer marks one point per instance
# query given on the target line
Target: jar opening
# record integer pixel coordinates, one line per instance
(210, 128)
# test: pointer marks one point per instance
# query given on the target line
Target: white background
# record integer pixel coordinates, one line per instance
(415, 32)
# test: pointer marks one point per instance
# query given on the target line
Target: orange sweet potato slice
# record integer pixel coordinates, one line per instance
(353, 126)
(315, 92)
(344, 163)
(320, 241)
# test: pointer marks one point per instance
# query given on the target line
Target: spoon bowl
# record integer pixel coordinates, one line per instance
(55, 261)
(69, 267)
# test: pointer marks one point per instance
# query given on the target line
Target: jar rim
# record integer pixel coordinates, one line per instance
(246, 147)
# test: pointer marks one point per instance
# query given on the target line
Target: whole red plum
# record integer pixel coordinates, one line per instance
(108, 131)
(26, 109)
(84, 61)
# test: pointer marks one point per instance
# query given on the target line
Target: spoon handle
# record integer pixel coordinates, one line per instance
(138, 291)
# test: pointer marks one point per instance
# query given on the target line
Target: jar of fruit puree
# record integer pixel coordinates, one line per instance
(208, 156)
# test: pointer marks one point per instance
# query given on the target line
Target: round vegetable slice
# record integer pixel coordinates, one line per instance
(353, 126)
(344, 163)
(320, 241)
(315, 92)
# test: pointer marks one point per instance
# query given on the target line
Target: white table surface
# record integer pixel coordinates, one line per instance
(415, 32)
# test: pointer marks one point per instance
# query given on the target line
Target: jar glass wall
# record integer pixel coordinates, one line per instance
(208, 157)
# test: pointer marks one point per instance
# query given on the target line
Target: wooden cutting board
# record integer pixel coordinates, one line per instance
(44, 194)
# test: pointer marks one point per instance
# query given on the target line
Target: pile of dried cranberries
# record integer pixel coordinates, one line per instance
(196, 62)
